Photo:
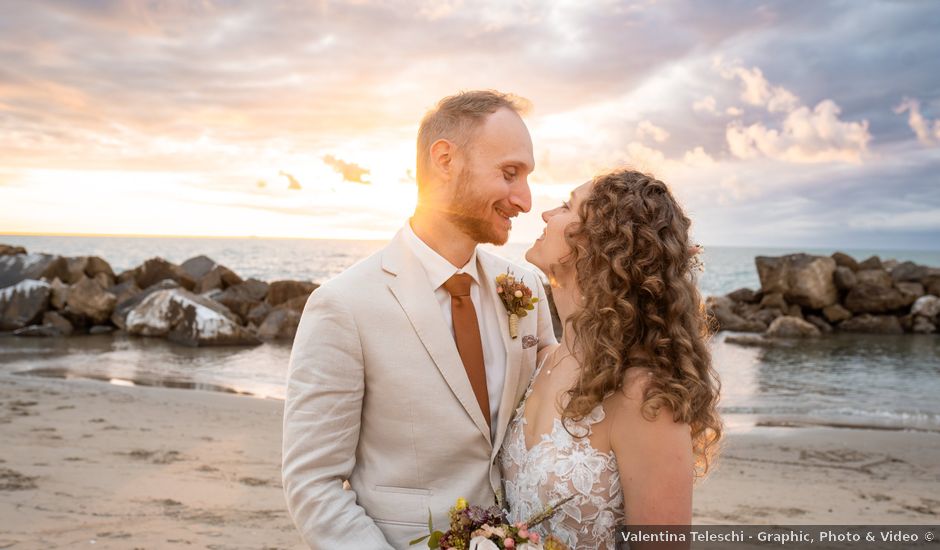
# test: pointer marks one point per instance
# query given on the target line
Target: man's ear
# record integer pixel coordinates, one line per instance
(442, 157)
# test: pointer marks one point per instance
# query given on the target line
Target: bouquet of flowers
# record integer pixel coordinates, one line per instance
(477, 528)
(517, 298)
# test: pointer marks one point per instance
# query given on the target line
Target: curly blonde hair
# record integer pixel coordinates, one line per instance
(641, 307)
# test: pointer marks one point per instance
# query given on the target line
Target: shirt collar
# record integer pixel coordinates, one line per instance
(436, 266)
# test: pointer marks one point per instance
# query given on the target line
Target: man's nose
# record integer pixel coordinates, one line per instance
(521, 197)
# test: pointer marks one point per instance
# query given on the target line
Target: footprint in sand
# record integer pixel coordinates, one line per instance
(256, 482)
(155, 457)
(837, 456)
(11, 480)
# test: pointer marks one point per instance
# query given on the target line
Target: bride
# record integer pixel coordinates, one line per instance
(622, 413)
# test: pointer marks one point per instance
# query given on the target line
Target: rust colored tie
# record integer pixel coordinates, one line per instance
(467, 335)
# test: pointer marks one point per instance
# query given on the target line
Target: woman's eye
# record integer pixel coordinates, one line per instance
(565, 206)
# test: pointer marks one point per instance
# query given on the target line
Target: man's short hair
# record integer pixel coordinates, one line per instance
(456, 118)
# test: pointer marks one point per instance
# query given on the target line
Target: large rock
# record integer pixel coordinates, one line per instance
(844, 278)
(928, 306)
(802, 279)
(242, 298)
(872, 298)
(872, 324)
(819, 323)
(878, 277)
(187, 318)
(911, 291)
(60, 294)
(23, 304)
(198, 266)
(97, 265)
(871, 263)
(123, 307)
(909, 272)
(127, 290)
(128, 275)
(20, 267)
(219, 277)
(791, 327)
(76, 266)
(88, 299)
(57, 321)
(844, 260)
(836, 313)
(721, 308)
(745, 295)
(42, 331)
(258, 314)
(157, 269)
(932, 282)
(280, 324)
(10, 250)
(774, 300)
(922, 325)
(282, 291)
(93, 267)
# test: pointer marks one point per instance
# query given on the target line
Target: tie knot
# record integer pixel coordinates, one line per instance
(458, 284)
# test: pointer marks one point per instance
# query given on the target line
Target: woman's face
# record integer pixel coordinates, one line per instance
(551, 249)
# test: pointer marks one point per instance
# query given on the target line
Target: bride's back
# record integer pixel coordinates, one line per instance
(543, 462)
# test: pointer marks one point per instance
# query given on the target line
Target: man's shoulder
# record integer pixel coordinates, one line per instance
(365, 272)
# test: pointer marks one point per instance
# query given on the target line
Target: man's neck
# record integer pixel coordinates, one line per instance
(443, 237)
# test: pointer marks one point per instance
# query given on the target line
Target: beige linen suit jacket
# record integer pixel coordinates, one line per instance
(377, 396)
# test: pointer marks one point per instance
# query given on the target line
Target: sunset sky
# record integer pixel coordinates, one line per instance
(779, 123)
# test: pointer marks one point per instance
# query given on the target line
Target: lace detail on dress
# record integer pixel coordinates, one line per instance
(556, 467)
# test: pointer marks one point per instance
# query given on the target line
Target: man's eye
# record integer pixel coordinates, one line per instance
(508, 175)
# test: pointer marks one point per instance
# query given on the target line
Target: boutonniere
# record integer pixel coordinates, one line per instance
(516, 297)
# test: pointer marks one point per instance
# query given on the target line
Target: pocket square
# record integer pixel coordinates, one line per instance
(529, 340)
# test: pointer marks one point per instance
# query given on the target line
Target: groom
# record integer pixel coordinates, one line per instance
(403, 375)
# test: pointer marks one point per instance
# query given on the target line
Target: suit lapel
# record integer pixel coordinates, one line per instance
(413, 291)
(490, 267)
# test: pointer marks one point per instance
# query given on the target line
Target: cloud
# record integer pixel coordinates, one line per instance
(734, 111)
(644, 158)
(756, 90)
(918, 123)
(705, 105)
(698, 157)
(646, 128)
(733, 190)
(806, 137)
(350, 171)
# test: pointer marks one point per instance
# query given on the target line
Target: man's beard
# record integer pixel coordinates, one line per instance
(468, 212)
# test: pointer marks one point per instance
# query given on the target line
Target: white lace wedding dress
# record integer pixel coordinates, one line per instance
(558, 466)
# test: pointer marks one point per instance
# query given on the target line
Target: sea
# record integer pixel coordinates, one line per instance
(842, 380)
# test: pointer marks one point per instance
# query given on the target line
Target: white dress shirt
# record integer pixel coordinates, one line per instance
(439, 270)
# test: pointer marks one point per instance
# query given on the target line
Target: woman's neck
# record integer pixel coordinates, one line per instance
(567, 299)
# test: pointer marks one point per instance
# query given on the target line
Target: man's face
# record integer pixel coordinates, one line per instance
(492, 185)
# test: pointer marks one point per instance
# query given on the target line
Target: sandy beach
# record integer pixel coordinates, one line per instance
(90, 463)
